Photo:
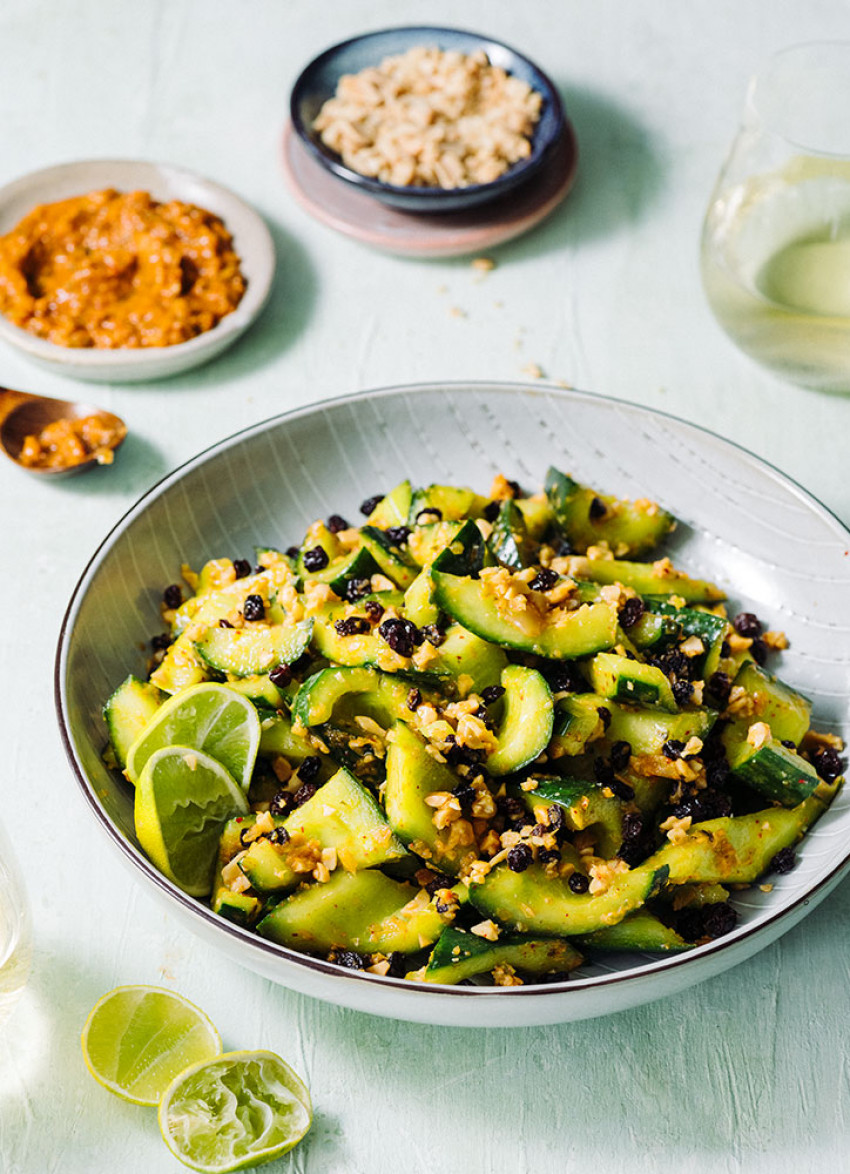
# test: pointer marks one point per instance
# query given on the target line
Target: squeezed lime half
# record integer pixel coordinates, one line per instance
(234, 1111)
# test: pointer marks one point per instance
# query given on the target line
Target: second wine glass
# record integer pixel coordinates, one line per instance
(776, 239)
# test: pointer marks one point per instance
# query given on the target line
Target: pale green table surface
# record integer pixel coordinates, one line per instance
(747, 1072)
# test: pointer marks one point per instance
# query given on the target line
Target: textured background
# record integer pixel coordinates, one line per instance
(748, 1072)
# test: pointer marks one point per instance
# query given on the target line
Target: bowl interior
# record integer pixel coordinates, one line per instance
(777, 551)
(251, 238)
(319, 80)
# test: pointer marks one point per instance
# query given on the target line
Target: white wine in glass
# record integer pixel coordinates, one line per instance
(776, 240)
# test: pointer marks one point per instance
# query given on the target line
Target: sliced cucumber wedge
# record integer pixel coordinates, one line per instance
(128, 711)
(526, 725)
(252, 651)
(459, 954)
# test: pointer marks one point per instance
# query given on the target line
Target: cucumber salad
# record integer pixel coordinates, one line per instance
(476, 738)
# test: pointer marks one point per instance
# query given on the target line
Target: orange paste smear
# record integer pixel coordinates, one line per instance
(65, 443)
(112, 269)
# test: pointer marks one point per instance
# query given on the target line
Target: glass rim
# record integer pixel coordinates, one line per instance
(769, 109)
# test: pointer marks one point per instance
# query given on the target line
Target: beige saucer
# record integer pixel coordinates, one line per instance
(455, 234)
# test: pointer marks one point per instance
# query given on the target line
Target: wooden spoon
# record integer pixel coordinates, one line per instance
(23, 415)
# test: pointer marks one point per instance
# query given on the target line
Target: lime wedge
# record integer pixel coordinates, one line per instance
(183, 799)
(208, 717)
(238, 1110)
(138, 1038)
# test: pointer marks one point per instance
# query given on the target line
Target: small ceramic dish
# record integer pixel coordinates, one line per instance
(252, 241)
(357, 215)
(318, 82)
(778, 551)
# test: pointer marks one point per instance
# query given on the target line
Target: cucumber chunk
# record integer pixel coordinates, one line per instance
(127, 712)
(775, 771)
(384, 697)
(240, 908)
(584, 805)
(526, 725)
(590, 628)
(454, 502)
(364, 911)
(253, 651)
(646, 579)
(390, 558)
(533, 902)
(588, 518)
(458, 955)
(393, 508)
(425, 543)
(577, 723)
(623, 679)
(278, 737)
(412, 775)
(639, 931)
(785, 711)
(735, 849)
(342, 815)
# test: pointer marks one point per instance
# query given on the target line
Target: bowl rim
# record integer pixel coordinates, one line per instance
(508, 179)
(810, 896)
(228, 328)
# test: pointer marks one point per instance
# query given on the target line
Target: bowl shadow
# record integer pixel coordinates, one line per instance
(710, 1072)
(291, 302)
(619, 175)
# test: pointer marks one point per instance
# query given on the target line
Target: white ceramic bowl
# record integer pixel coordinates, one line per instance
(778, 552)
(252, 240)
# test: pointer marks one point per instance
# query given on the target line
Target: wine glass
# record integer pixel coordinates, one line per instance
(776, 239)
(15, 930)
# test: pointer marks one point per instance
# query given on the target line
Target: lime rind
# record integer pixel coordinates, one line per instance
(210, 717)
(183, 799)
(138, 1038)
(235, 1111)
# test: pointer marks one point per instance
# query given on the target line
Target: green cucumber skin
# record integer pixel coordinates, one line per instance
(531, 902)
(469, 558)
(509, 539)
(458, 954)
(316, 699)
(639, 931)
(590, 629)
(631, 681)
(390, 559)
(689, 620)
(340, 571)
(777, 773)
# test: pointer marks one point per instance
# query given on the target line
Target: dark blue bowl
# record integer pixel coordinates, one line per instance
(318, 82)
